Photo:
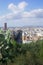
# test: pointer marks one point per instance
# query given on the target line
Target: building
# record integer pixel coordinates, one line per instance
(19, 36)
(26, 37)
(5, 26)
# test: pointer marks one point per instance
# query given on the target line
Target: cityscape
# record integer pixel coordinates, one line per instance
(24, 34)
(21, 32)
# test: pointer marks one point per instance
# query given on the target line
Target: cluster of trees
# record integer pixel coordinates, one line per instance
(14, 53)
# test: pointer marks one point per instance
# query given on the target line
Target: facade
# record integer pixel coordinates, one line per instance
(26, 38)
(19, 36)
(5, 26)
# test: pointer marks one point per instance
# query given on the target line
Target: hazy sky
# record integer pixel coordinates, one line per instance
(21, 12)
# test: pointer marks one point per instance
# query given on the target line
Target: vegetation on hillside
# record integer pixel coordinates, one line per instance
(14, 53)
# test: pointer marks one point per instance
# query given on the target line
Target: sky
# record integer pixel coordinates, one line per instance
(18, 13)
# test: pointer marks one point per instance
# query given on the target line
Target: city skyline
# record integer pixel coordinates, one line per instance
(21, 13)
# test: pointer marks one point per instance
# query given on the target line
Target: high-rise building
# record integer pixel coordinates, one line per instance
(5, 26)
(19, 36)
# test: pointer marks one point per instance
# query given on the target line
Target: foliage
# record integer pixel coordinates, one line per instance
(32, 54)
(21, 54)
(2, 37)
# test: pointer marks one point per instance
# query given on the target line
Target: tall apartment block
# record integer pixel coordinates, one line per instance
(5, 26)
